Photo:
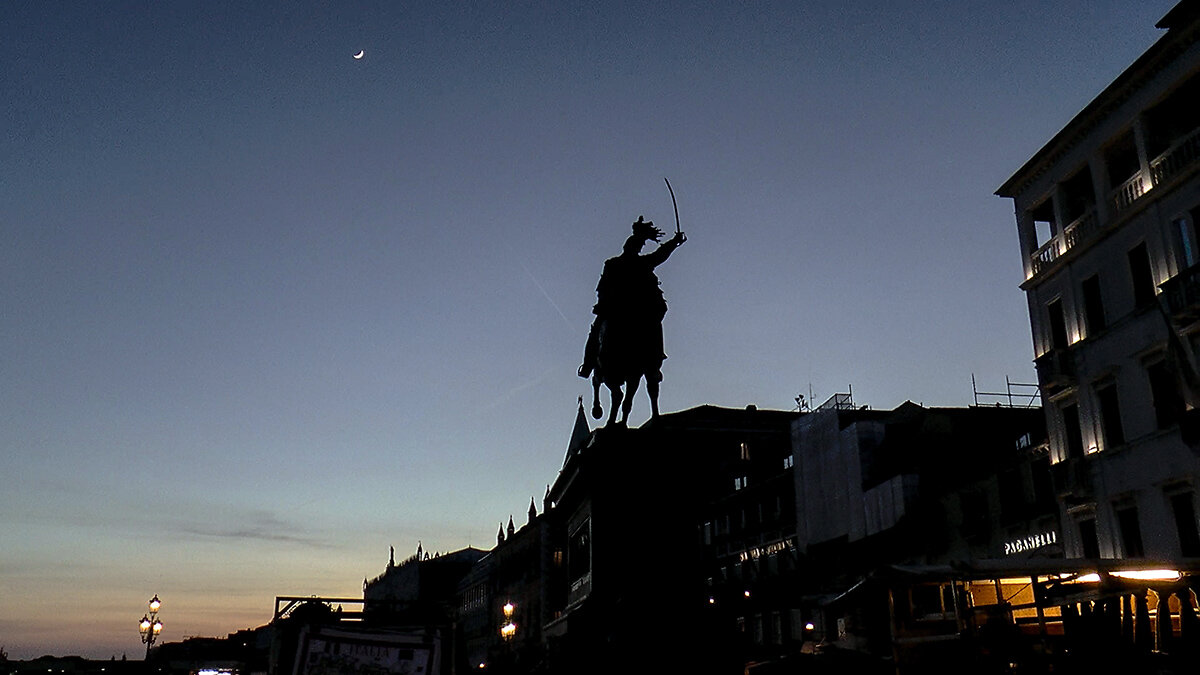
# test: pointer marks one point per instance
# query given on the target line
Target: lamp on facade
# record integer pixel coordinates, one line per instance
(509, 629)
(150, 626)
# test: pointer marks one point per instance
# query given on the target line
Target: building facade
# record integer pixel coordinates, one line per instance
(1106, 215)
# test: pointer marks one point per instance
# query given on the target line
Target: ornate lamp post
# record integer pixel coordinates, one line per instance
(150, 626)
(509, 629)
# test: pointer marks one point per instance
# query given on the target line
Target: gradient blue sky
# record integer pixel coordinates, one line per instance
(266, 310)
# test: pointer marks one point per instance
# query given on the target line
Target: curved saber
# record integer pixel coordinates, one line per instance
(673, 203)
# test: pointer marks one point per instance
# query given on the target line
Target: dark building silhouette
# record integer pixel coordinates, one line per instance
(748, 536)
(504, 603)
(628, 505)
(421, 590)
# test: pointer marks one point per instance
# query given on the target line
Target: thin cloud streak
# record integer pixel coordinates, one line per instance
(261, 527)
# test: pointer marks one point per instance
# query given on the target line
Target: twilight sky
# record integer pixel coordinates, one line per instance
(266, 309)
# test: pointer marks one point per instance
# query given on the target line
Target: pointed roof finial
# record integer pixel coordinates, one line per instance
(500, 534)
(418, 549)
(580, 433)
(511, 529)
(532, 510)
(391, 556)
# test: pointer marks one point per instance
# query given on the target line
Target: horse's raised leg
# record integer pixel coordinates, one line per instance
(615, 396)
(632, 386)
(597, 411)
(652, 389)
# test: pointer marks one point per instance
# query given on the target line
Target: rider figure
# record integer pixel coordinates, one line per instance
(626, 341)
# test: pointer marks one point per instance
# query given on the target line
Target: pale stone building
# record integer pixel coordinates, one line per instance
(1106, 213)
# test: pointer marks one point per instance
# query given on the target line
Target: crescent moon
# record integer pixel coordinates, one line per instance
(359, 55)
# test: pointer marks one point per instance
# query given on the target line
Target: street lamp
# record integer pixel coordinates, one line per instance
(150, 626)
(509, 629)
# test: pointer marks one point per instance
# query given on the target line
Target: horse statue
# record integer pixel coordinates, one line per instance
(625, 343)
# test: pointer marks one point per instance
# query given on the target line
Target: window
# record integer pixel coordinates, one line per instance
(740, 482)
(1071, 431)
(1078, 196)
(579, 552)
(1164, 392)
(1131, 531)
(789, 461)
(1110, 415)
(1185, 524)
(745, 452)
(1088, 539)
(1093, 307)
(1058, 325)
(1185, 234)
(1142, 275)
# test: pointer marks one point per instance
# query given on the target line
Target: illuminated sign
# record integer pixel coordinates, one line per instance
(759, 551)
(1033, 541)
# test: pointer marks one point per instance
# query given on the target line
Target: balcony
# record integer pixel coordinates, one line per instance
(1178, 159)
(1182, 157)
(1056, 370)
(1181, 294)
(1079, 231)
(1072, 477)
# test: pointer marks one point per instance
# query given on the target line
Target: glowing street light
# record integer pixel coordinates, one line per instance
(509, 629)
(150, 626)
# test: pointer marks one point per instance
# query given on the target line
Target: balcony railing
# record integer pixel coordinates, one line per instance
(1056, 370)
(1182, 156)
(1072, 477)
(1179, 157)
(1181, 293)
(1128, 192)
(1080, 229)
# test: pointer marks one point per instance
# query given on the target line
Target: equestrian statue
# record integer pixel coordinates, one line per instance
(625, 343)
